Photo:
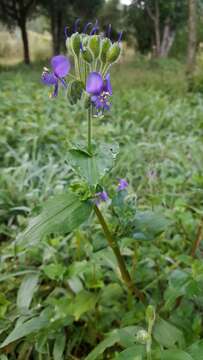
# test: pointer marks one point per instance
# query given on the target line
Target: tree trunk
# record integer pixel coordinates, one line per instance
(56, 30)
(192, 36)
(167, 40)
(22, 25)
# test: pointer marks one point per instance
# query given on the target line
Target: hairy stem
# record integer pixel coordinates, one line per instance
(121, 263)
(89, 118)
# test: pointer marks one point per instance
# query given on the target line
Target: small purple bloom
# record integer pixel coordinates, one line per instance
(101, 196)
(122, 185)
(100, 90)
(94, 83)
(60, 68)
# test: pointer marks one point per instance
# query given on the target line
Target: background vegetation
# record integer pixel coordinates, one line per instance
(60, 299)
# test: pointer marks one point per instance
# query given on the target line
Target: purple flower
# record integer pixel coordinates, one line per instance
(100, 90)
(122, 185)
(101, 196)
(60, 68)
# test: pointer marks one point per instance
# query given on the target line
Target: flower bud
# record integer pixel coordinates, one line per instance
(150, 314)
(75, 90)
(113, 53)
(87, 55)
(106, 44)
(94, 45)
(142, 336)
(75, 42)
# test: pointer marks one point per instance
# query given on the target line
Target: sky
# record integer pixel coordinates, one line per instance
(125, 2)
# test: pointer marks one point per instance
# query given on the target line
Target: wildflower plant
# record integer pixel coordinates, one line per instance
(84, 75)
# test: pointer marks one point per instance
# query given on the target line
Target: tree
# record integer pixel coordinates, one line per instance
(63, 13)
(59, 13)
(165, 18)
(16, 13)
(192, 36)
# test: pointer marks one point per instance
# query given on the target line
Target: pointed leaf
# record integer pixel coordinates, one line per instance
(26, 291)
(26, 328)
(59, 347)
(175, 355)
(61, 214)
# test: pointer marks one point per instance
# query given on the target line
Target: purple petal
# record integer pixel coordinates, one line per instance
(60, 65)
(108, 32)
(122, 185)
(101, 196)
(75, 28)
(107, 85)
(86, 27)
(49, 78)
(94, 83)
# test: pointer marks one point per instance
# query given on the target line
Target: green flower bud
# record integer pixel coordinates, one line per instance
(94, 45)
(85, 39)
(75, 90)
(87, 55)
(150, 313)
(87, 100)
(75, 42)
(106, 44)
(142, 336)
(113, 53)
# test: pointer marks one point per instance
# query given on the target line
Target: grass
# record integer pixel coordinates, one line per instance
(158, 126)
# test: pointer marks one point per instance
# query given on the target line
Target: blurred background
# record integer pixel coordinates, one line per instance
(33, 30)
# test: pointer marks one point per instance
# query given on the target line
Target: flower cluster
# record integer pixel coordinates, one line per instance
(90, 57)
(102, 196)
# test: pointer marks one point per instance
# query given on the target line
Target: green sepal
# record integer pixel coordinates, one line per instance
(75, 90)
(94, 45)
(87, 55)
(113, 53)
(75, 42)
(106, 44)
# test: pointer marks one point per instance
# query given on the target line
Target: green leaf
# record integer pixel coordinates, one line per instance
(61, 214)
(4, 303)
(196, 350)
(116, 336)
(83, 302)
(167, 334)
(59, 346)
(26, 328)
(112, 339)
(149, 224)
(3, 357)
(135, 352)
(93, 167)
(26, 291)
(54, 271)
(175, 355)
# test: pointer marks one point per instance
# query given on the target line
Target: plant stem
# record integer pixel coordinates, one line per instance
(114, 246)
(89, 115)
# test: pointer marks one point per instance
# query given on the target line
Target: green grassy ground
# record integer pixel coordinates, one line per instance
(158, 126)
